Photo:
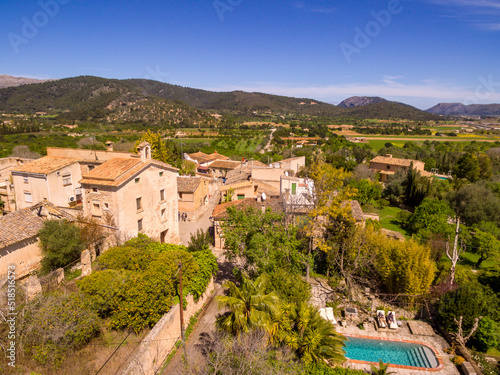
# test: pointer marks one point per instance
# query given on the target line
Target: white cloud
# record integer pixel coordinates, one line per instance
(487, 9)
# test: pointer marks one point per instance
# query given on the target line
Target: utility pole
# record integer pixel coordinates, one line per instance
(181, 310)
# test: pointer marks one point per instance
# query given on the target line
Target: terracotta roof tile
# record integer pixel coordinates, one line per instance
(45, 165)
(116, 171)
(394, 161)
(188, 184)
(201, 157)
(228, 164)
(24, 224)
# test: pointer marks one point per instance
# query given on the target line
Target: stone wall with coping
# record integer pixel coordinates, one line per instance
(157, 345)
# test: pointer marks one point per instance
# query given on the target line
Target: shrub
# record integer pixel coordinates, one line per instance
(127, 258)
(457, 360)
(103, 288)
(57, 322)
(207, 263)
(61, 244)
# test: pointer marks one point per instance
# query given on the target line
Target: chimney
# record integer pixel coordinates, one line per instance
(109, 146)
(389, 155)
(144, 151)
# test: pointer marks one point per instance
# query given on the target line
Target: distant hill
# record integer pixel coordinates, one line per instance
(459, 109)
(89, 98)
(10, 81)
(359, 101)
(236, 102)
(390, 110)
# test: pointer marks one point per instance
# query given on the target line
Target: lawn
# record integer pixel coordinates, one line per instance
(389, 220)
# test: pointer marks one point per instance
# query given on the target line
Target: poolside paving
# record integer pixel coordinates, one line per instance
(403, 333)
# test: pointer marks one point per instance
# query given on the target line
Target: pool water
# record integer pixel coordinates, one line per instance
(396, 353)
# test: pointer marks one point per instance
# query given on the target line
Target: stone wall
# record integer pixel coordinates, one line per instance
(154, 349)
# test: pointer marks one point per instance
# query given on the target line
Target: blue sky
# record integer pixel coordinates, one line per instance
(420, 52)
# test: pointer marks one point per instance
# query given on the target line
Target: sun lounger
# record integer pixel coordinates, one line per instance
(391, 319)
(331, 317)
(327, 314)
(381, 319)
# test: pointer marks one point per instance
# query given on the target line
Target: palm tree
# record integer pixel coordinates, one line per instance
(382, 369)
(301, 328)
(250, 306)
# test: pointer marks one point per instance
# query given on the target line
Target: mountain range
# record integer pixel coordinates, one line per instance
(139, 100)
(459, 109)
(10, 81)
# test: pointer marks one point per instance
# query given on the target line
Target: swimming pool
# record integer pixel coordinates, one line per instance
(393, 352)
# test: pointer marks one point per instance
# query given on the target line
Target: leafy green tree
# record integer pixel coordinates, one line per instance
(486, 245)
(416, 187)
(263, 240)
(487, 335)
(470, 301)
(61, 244)
(250, 305)
(468, 167)
(366, 190)
(475, 203)
(431, 217)
(485, 167)
(159, 149)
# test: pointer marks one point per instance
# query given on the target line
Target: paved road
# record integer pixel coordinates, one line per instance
(203, 222)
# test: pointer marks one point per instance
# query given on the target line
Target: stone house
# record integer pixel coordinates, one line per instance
(272, 176)
(248, 189)
(19, 244)
(136, 195)
(220, 168)
(50, 178)
(192, 193)
(387, 166)
(7, 194)
(89, 159)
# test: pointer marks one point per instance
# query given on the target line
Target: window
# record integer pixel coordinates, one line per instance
(106, 206)
(139, 225)
(388, 167)
(163, 212)
(66, 179)
(94, 190)
(241, 196)
(161, 174)
(138, 203)
(27, 197)
(294, 188)
(137, 180)
(91, 167)
(25, 179)
(162, 194)
(96, 209)
(180, 196)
